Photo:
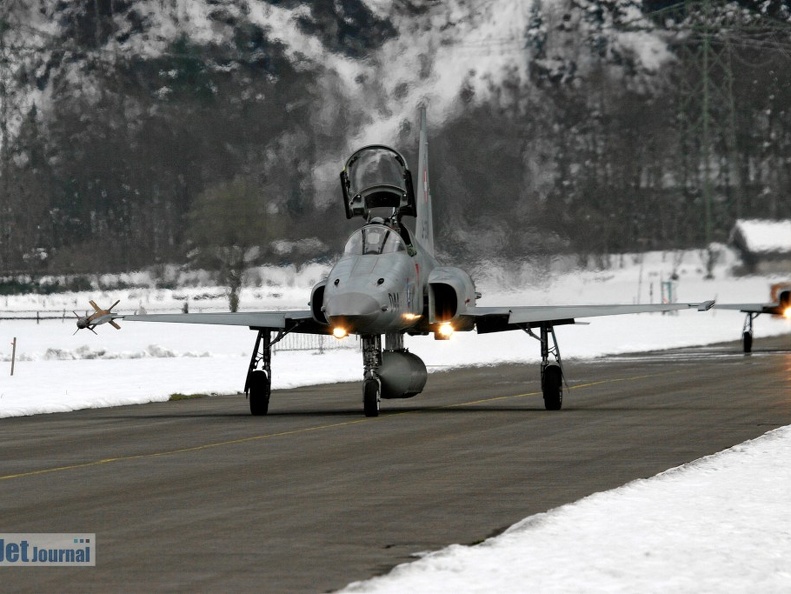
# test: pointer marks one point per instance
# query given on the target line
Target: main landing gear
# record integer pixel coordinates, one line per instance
(258, 386)
(747, 332)
(404, 374)
(551, 372)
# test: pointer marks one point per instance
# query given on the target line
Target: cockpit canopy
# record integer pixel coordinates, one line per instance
(377, 176)
(375, 240)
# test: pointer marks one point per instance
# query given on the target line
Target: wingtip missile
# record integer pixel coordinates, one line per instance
(98, 317)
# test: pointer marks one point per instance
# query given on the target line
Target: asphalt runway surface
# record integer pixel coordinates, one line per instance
(197, 495)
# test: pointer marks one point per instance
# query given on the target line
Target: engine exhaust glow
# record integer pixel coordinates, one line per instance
(339, 332)
(787, 313)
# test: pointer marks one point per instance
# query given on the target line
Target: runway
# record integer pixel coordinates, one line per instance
(198, 495)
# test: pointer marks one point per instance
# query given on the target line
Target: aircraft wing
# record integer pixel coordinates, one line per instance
(498, 319)
(757, 308)
(291, 320)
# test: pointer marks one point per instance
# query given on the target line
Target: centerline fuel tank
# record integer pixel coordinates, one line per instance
(403, 374)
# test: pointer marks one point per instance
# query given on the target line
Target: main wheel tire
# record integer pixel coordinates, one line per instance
(552, 387)
(260, 390)
(371, 396)
(747, 341)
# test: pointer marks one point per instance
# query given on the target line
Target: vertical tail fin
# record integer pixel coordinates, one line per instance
(424, 223)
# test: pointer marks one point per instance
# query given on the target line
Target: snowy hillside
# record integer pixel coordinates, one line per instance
(554, 127)
(400, 54)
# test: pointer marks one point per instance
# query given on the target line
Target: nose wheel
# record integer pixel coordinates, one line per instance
(372, 385)
(372, 394)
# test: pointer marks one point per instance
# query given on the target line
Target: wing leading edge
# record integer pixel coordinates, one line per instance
(486, 319)
(499, 319)
(300, 321)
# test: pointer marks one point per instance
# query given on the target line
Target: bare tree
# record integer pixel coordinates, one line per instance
(230, 226)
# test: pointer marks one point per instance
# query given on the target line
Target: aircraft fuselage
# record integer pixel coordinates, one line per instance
(379, 284)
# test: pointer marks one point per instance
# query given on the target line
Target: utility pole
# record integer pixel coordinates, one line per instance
(706, 117)
(707, 39)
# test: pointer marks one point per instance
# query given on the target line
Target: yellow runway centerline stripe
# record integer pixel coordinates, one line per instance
(616, 380)
(492, 399)
(577, 387)
(196, 448)
(229, 442)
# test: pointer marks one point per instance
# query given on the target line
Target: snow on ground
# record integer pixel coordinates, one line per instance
(719, 524)
(57, 370)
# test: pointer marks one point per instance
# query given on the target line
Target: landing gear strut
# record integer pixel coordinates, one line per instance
(372, 384)
(551, 372)
(747, 332)
(258, 385)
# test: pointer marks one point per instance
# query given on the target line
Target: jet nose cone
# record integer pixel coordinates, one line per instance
(353, 311)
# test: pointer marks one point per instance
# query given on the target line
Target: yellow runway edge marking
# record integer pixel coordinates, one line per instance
(218, 444)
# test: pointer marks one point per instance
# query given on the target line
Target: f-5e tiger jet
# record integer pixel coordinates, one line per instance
(388, 283)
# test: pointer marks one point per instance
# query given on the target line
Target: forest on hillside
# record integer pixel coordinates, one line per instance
(113, 159)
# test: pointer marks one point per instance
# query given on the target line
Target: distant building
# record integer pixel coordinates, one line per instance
(764, 246)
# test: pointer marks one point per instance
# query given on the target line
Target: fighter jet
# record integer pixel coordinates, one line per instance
(97, 318)
(388, 283)
(780, 305)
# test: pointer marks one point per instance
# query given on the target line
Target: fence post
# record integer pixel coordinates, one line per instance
(13, 354)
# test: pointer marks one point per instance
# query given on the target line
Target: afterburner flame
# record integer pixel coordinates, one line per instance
(339, 332)
(787, 313)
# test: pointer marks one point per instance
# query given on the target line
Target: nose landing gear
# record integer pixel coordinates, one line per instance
(372, 384)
